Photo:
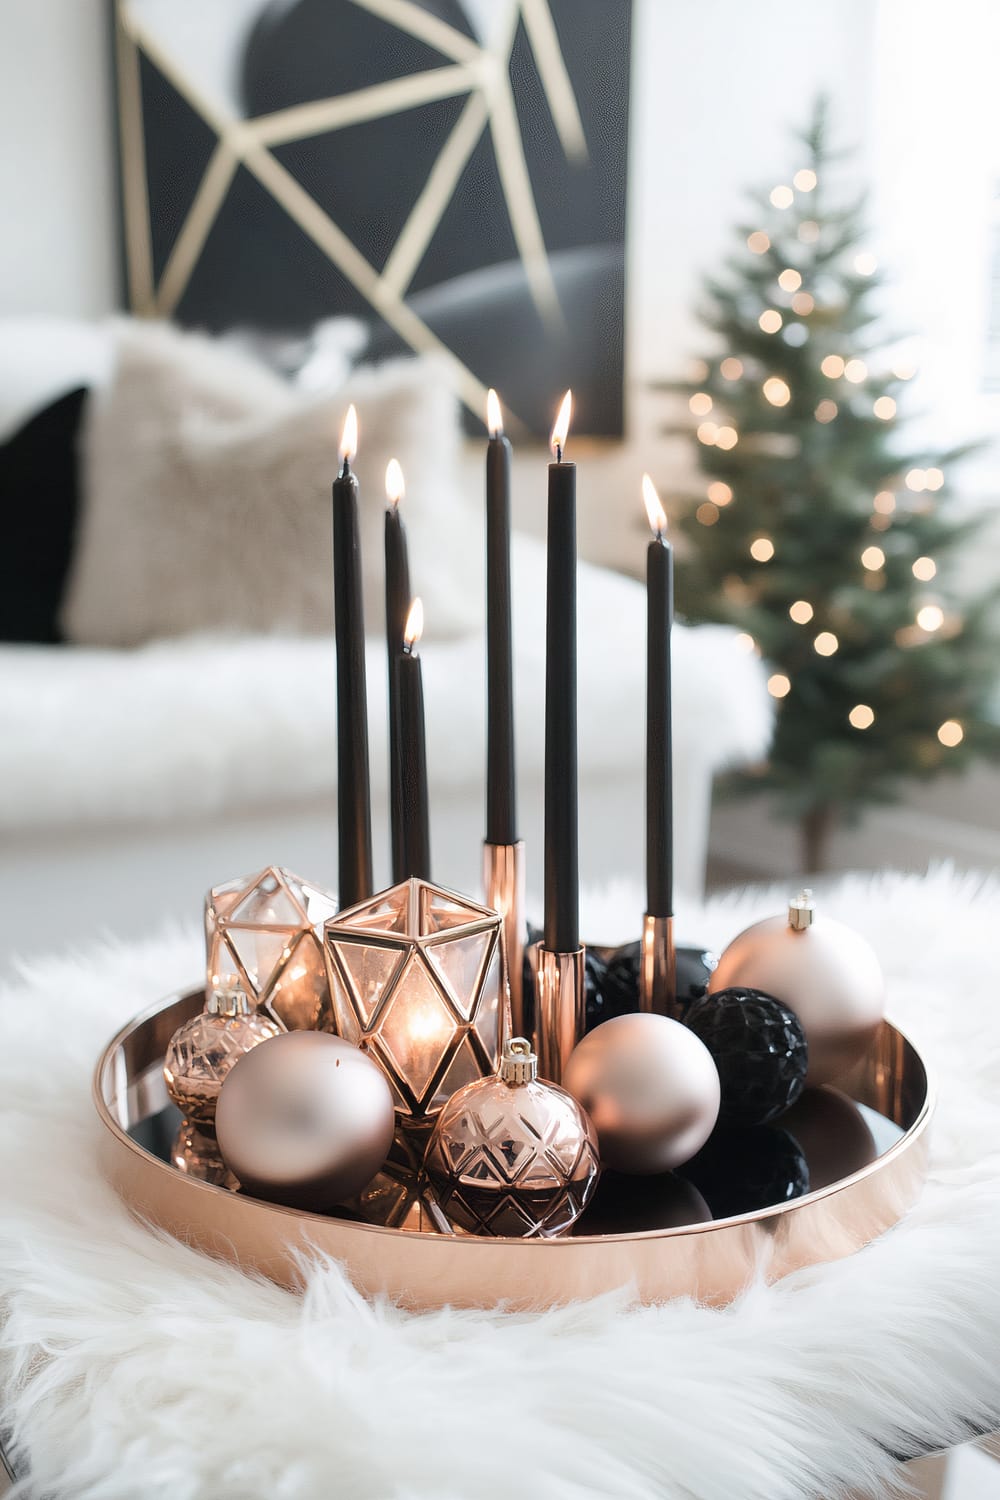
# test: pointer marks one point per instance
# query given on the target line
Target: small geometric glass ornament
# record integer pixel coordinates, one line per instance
(261, 933)
(511, 1155)
(203, 1050)
(415, 981)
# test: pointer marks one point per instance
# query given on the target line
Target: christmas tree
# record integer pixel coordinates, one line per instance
(821, 533)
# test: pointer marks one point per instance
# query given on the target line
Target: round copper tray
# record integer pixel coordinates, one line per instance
(421, 1267)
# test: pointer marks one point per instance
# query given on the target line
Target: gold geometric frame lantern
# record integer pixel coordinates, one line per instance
(261, 933)
(416, 980)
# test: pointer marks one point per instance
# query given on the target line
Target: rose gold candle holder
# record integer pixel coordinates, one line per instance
(658, 967)
(504, 876)
(415, 980)
(560, 1007)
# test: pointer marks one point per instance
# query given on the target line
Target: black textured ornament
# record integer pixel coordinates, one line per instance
(741, 1171)
(759, 1048)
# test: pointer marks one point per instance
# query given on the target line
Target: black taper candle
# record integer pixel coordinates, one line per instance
(501, 787)
(354, 819)
(397, 604)
(562, 897)
(659, 730)
(415, 823)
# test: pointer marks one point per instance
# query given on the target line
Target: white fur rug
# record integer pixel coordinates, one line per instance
(134, 1367)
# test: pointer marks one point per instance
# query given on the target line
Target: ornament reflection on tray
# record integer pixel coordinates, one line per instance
(197, 1154)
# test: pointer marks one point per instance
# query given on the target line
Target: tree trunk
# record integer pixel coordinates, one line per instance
(815, 830)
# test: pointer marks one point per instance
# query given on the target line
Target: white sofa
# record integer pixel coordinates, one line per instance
(132, 779)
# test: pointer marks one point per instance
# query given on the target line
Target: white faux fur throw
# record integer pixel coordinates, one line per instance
(201, 725)
(135, 1367)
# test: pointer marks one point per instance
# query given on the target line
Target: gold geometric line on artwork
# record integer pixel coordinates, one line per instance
(135, 192)
(219, 118)
(406, 16)
(552, 70)
(488, 81)
(194, 232)
(321, 229)
(306, 213)
(299, 121)
(516, 183)
(419, 229)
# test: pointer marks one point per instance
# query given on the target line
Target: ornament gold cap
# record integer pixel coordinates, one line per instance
(519, 1064)
(228, 1000)
(801, 911)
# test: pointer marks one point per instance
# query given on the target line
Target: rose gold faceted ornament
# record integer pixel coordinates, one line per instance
(824, 971)
(511, 1155)
(262, 933)
(415, 981)
(202, 1052)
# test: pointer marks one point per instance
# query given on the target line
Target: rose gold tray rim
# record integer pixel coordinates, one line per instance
(911, 1136)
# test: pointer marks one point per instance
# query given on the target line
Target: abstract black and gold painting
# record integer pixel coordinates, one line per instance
(451, 172)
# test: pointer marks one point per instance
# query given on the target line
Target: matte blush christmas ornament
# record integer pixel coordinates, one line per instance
(511, 1155)
(415, 982)
(824, 971)
(261, 933)
(759, 1048)
(305, 1120)
(650, 1087)
(204, 1050)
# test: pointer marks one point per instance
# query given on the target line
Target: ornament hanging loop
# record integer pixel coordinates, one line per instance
(801, 911)
(519, 1065)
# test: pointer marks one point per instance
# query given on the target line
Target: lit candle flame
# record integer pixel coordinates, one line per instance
(395, 485)
(654, 509)
(494, 416)
(349, 437)
(414, 627)
(560, 431)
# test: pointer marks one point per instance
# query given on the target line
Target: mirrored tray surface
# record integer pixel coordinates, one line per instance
(834, 1172)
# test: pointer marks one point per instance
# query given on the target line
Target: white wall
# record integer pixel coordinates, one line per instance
(57, 195)
(716, 86)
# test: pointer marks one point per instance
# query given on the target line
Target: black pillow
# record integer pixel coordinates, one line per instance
(39, 506)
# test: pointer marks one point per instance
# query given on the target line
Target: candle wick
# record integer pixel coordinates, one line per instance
(558, 453)
(345, 471)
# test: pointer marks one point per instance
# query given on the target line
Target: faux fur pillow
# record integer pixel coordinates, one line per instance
(207, 495)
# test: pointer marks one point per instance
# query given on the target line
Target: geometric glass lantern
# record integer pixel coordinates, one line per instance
(415, 980)
(261, 934)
